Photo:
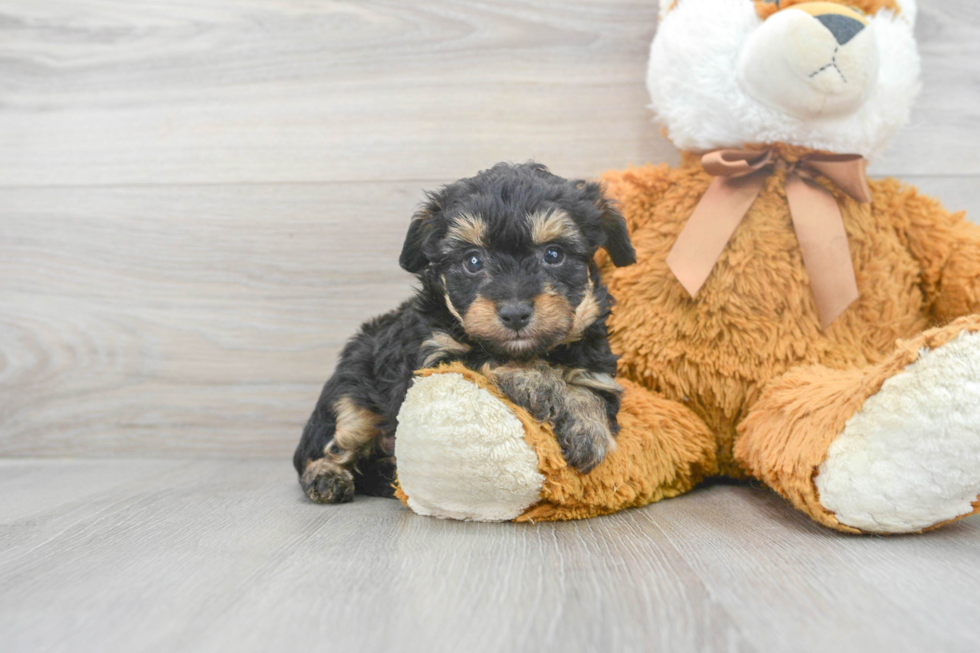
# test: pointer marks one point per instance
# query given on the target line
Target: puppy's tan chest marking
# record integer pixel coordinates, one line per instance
(440, 347)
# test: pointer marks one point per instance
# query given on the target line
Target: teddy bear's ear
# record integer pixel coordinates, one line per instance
(413, 258)
(908, 10)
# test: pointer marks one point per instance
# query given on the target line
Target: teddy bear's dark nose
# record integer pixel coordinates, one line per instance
(844, 28)
(515, 315)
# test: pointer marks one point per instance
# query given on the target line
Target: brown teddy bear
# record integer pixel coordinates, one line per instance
(787, 319)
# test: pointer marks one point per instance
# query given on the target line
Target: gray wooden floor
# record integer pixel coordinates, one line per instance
(228, 556)
(200, 200)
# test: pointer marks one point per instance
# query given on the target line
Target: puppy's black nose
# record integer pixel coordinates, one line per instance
(844, 28)
(515, 315)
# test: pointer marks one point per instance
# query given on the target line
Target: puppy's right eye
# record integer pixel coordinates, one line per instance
(473, 262)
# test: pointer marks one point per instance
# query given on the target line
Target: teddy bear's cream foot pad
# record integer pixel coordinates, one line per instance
(462, 453)
(910, 459)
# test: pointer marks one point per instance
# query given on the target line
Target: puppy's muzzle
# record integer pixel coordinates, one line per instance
(515, 315)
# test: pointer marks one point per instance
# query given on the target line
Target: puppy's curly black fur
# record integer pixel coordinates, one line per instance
(508, 287)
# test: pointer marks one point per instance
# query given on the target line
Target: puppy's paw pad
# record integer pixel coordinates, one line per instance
(326, 482)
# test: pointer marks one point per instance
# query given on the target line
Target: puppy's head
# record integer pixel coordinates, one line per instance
(511, 249)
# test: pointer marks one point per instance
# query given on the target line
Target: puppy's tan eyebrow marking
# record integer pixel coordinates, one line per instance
(547, 226)
(470, 229)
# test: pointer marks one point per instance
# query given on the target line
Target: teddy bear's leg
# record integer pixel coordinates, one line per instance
(891, 448)
(464, 451)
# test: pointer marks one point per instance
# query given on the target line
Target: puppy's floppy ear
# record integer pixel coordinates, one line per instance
(616, 237)
(413, 258)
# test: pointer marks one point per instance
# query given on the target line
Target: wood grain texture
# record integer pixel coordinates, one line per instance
(228, 92)
(201, 201)
(200, 319)
(116, 92)
(225, 555)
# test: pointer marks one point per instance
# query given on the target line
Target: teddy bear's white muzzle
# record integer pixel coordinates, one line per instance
(810, 66)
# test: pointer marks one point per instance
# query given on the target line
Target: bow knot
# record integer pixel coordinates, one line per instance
(739, 176)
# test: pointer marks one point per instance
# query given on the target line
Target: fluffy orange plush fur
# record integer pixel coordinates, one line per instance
(917, 266)
(748, 356)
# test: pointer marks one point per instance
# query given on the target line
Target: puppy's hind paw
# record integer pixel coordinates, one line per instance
(325, 481)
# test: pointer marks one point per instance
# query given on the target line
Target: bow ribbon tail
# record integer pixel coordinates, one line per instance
(711, 226)
(826, 256)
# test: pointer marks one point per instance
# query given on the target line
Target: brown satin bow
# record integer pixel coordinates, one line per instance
(739, 176)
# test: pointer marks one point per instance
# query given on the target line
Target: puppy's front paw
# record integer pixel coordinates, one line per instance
(325, 481)
(577, 414)
(538, 389)
(585, 444)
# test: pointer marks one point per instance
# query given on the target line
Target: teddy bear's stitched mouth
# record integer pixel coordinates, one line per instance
(793, 64)
(832, 64)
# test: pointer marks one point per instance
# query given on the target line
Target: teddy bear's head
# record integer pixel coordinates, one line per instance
(831, 76)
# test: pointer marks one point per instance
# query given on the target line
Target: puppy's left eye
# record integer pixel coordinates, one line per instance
(553, 255)
(473, 262)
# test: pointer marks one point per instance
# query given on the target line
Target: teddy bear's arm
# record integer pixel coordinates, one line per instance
(947, 247)
(959, 286)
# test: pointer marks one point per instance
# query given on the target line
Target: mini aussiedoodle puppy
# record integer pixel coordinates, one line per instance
(508, 287)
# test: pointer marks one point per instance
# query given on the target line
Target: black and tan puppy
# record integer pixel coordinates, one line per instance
(508, 286)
